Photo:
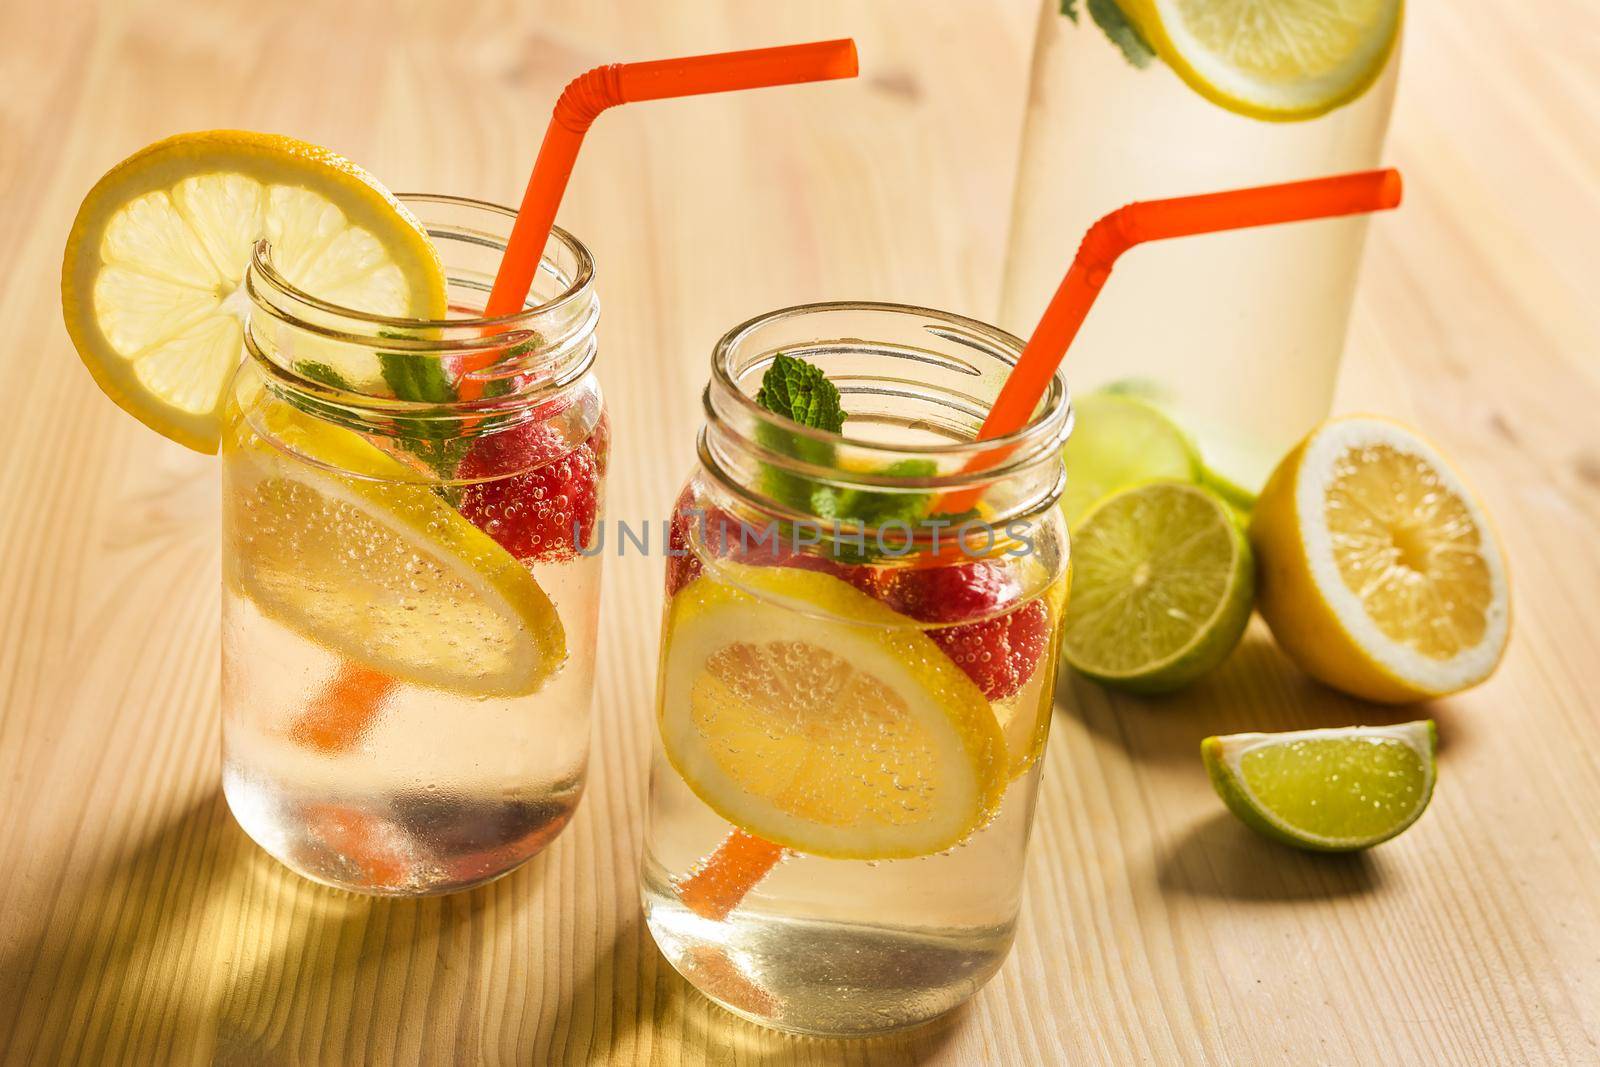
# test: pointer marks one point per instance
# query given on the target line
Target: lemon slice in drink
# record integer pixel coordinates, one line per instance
(1272, 59)
(1380, 574)
(1330, 790)
(851, 739)
(376, 566)
(1161, 589)
(151, 284)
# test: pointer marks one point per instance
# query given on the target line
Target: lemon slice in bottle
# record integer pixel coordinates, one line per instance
(375, 565)
(1272, 59)
(1380, 574)
(151, 284)
(852, 739)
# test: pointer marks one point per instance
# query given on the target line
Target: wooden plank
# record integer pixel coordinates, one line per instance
(138, 924)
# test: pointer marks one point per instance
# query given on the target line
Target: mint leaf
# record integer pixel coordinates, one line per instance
(321, 372)
(875, 507)
(1109, 17)
(1069, 8)
(795, 389)
(800, 392)
(416, 377)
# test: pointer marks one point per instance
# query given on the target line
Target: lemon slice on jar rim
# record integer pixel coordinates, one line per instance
(808, 714)
(152, 279)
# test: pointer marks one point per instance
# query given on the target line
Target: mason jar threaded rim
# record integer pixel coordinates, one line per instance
(971, 349)
(551, 342)
(582, 277)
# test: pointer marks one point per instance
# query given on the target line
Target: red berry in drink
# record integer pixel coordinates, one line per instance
(541, 498)
(998, 653)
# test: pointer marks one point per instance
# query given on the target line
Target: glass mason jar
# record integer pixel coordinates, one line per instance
(1238, 334)
(856, 679)
(408, 612)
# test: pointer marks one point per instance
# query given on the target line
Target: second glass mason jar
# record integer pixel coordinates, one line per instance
(1238, 334)
(857, 669)
(409, 613)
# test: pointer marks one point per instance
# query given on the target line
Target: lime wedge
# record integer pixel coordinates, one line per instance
(1161, 589)
(1330, 790)
(1120, 440)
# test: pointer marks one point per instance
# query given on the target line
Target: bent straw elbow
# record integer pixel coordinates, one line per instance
(1110, 236)
(590, 93)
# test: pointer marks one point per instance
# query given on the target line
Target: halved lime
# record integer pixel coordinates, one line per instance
(1119, 440)
(1333, 790)
(1162, 587)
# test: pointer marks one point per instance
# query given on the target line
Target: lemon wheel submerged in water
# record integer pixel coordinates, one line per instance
(855, 739)
(341, 543)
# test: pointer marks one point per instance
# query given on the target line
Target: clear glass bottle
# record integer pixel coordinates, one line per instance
(409, 617)
(835, 693)
(1240, 334)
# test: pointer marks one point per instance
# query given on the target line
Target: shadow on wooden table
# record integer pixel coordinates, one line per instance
(1221, 857)
(107, 974)
(1256, 688)
(193, 945)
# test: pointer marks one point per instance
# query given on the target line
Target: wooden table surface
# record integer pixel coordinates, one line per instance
(138, 924)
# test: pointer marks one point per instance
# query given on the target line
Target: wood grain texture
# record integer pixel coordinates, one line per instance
(139, 925)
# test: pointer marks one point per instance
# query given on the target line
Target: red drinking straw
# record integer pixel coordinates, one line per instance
(582, 101)
(721, 881)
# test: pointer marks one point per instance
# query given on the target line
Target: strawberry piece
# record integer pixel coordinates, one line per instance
(550, 507)
(1000, 653)
(951, 594)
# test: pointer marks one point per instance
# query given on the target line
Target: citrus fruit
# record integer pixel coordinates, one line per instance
(1120, 440)
(1330, 790)
(1161, 587)
(152, 280)
(1380, 574)
(812, 716)
(377, 566)
(1272, 59)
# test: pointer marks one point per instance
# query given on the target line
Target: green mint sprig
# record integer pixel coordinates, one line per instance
(800, 392)
(1117, 27)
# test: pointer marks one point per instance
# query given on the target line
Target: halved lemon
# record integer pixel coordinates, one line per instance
(151, 284)
(1272, 59)
(375, 565)
(852, 739)
(1379, 573)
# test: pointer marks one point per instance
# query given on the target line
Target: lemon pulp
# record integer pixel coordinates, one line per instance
(851, 739)
(152, 279)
